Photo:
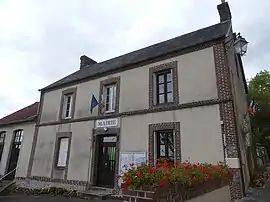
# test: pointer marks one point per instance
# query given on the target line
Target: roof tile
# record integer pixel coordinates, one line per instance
(26, 114)
(178, 43)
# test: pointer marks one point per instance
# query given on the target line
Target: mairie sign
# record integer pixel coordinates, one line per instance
(106, 123)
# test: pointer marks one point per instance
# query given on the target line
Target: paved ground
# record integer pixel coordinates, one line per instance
(253, 195)
(258, 195)
(44, 198)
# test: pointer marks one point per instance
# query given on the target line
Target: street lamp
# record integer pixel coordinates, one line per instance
(240, 45)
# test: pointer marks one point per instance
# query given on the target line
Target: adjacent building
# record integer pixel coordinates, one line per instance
(184, 99)
(16, 137)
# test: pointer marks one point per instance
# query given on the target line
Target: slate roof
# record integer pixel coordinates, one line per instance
(26, 114)
(181, 42)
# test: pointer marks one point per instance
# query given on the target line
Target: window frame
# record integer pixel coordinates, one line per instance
(152, 146)
(165, 83)
(60, 141)
(66, 107)
(63, 105)
(18, 136)
(2, 143)
(113, 81)
(59, 138)
(112, 98)
(158, 144)
(154, 72)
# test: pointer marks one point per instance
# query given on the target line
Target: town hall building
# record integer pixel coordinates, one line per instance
(183, 99)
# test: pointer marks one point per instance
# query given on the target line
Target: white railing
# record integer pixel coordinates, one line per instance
(7, 174)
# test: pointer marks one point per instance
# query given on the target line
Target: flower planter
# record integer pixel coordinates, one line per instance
(178, 193)
(180, 182)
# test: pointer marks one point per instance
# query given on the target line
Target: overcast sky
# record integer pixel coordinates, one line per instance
(41, 40)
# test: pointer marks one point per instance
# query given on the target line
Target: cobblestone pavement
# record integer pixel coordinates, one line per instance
(44, 198)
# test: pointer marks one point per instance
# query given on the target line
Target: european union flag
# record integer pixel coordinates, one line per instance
(94, 103)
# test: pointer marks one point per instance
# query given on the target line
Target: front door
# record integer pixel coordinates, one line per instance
(14, 154)
(106, 161)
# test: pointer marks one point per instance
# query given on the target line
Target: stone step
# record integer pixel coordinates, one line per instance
(99, 193)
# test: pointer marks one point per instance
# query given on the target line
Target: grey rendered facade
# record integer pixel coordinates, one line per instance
(206, 112)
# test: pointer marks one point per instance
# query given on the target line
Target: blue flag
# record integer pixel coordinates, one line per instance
(94, 103)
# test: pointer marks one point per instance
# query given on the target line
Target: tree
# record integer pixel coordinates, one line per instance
(259, 90)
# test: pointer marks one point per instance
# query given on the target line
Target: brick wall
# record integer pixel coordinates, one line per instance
(176, 193)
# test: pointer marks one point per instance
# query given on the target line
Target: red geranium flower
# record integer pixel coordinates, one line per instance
(139, 175)
(210, 179)
(125, 188)
(162, 183)
(150, 170)
(128, 181)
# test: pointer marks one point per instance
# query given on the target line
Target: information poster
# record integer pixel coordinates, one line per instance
(127, 158)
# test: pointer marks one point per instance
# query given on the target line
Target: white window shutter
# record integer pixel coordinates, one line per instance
(63, 151)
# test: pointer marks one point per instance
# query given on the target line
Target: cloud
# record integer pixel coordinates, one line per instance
(41, 41)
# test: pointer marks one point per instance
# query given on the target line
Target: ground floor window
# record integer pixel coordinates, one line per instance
(62, 152)
(165, 145)
(2, 143)
(164, 142)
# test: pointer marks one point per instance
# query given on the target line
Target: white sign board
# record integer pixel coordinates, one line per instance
(104, 123)
(110, 139)
(127, 158)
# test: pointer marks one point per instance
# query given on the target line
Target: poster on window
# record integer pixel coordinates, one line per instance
(127, 158)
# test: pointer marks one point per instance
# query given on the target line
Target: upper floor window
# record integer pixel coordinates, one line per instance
(163, 84)
(110, 98)
(68, 103)
(164, 87)
(2, 143)
(109, 95)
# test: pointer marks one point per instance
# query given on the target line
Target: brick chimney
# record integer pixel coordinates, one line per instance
(224, 11)
(86, 61)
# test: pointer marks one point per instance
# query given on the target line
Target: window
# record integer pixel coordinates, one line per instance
(67, 106)
(110, 98)
(62, 152)
(164, 87)
(165, 145)
(2, 143)
(18, 137)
